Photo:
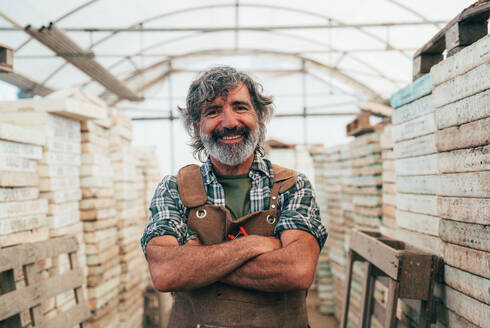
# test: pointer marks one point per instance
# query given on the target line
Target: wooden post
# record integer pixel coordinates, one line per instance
(367, 295)
(7, 284)
(348, 280)
(393, 292)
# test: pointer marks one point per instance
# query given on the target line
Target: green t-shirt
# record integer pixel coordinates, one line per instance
(237, 193)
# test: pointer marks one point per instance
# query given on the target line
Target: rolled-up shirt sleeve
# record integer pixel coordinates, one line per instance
(299, 210)
(168, 215)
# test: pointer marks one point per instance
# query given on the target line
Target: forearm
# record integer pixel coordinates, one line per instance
(288, 268)
(188, 267)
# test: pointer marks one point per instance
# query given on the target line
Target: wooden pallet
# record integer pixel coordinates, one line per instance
(6, 58)
(466, 28)
(359, 126)
(13, 302)
(408, 275)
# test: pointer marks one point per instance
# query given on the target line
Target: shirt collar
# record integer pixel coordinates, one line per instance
(259, 164)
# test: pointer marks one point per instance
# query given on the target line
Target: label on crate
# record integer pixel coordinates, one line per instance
(468, 58)
(418, 127)
(462, 86)
(18, 194)
(24, 208)
(423, 223)
(413, 110)
(465, 160)
(472, 210)
(423, 165)
(424, 145)
(15, 133)
(424, 204)
(97, 159)
(17, 149)
(467, 135)
(17, 164)
(60, 158)
(62, 145)
(17, 224)
(464, 111)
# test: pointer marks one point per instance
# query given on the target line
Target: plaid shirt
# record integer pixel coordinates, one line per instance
(298, 206)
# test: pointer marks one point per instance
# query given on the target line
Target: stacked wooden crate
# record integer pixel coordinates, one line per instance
(129, 212)
(97, 210)
(324, 281)
(23, 216)
(416, 166)
(461, 98)
(388, 222)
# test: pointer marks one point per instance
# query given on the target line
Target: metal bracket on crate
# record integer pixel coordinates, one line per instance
(408, 274)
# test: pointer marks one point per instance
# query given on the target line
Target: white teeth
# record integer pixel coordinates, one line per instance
(231, 138)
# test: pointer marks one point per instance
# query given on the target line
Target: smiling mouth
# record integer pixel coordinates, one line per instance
(231, 137)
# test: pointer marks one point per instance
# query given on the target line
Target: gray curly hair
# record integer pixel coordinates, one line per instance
(214, 83)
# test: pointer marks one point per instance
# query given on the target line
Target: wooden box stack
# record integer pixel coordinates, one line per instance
(129, 213)
(98, 213)
(416, 166)
(388, 222)
(23, 216)
(59, 174)
(324, 280)
(461, 98)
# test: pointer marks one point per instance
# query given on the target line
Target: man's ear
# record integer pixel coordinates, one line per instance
(197, 128)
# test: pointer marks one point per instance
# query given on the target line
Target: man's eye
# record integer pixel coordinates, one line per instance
(242, 108)
(211, 113)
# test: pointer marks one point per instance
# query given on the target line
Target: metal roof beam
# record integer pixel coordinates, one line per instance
(237, 28)
(56, 40)
(29, 87)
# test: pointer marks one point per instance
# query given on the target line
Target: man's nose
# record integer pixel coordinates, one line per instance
(229, 118)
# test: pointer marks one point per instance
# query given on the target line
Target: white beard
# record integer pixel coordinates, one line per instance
(232, 154)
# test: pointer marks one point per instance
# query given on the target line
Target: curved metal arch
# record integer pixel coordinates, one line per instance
(414, 12)
(332, 71)
(212, 6)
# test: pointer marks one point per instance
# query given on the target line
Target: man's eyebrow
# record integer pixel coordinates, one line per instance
(239, 102)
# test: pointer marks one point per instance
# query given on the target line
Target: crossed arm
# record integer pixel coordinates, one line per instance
(254, 262)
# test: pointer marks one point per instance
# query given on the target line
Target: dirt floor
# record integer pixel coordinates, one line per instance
(316, 319)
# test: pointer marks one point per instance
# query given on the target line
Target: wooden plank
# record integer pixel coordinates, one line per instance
(469, 308)
(425, 242)
(467, 283)
(18, 179)
(63, 145)
(63, 220)
(62, 196)
(466, 234)
(465, 160)
(17, 149)
(470, 57)
(413, 91)
(424, 145)
(20, 300)
(467, 259)
(422, 165)
(450, 319)
(426, 184)
(67, 107)
(15, 257)
(7, 284)
(18, 194)
(391, 304)
(15, 209)
(58, 184)
(413, 110)
(471, 210)
(462, 86)
(69, 318)
(463, 111)
(59, 158)
(17, 224)
(474, 184)
(464, 33)
(22, 237)
(96, 171)
(415, 128)
(423, 223)
(32, 278)
(467, 135)
(424, 204)
(58, 171)
(15, 133)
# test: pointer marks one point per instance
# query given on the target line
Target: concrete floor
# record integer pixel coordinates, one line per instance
(316, 319)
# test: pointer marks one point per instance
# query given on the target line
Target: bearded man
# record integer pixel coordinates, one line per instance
(236, 239)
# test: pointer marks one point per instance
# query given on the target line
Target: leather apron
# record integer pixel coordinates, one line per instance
(223, 305)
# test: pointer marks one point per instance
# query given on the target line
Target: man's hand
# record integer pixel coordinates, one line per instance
(291, 267)
(192, 265)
